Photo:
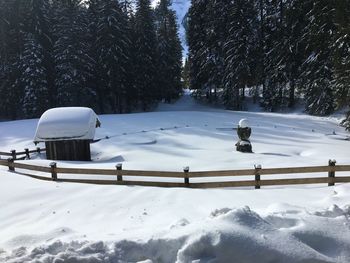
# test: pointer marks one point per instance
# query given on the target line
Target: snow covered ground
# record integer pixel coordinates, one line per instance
(62, 222)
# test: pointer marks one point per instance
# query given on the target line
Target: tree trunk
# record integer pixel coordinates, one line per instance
(291, 102)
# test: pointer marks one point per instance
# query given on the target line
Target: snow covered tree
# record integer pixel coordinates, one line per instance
(33, 78)
(127, 6)
(217, 20)
(318, 69)
(145, 54)
(196, 38)
(113, 43)
(169, 52)
(132, 93)
(39, 25)
(72, 61)
(294, 45)
(239, 47)
(341, 51)
(341, 58)
(94, 82)
(273, 58)
(12, 26)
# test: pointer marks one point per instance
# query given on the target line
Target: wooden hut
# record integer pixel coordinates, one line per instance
(67, 133)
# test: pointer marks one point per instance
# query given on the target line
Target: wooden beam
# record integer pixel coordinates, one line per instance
(32, 167)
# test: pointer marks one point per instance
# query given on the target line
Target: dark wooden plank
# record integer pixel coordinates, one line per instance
(32, 167)
(86, 171)
(6, 153)
(128, 183)
(295, 181)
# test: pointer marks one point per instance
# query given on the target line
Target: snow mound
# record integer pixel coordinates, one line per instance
(66, 123)
(227, 235)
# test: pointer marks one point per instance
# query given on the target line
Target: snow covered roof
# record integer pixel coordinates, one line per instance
(68, 123)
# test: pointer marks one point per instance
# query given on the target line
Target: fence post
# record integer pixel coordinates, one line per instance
(187, 179)
(14, 155)
(38, 150)
(257, 176)
(331, 182)
(53, 166)
(11, 166)
(119, 167)
(27, 153)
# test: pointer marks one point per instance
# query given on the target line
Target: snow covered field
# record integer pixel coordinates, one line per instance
(62, 222)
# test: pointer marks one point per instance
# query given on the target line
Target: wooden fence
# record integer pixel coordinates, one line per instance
(118, 175)
(14, 154)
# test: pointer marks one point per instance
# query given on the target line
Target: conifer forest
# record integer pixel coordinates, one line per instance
(113, 56)
(119, 56)
(276, 51)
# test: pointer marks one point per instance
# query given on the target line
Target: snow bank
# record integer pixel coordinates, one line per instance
(66, 123)
(227, 235)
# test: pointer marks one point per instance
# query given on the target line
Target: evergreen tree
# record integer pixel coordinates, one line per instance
(239, 50)
(12, 23)
(318, 68)
(196, 38)
(341, 50)
(169, 52)
(186, 74)
(38, 23)
(127, 6)
(217, 20)
(145, 54)
(72, 62)
(33, 78)
(294, 46)
(273, 39)
(132, 94)
(94, 80)
(113, 43)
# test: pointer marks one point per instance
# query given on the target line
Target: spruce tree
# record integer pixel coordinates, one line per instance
(239, 48)
(94, 80)
(132, 94)
(127, 6)
(341, 53)
(341, 49)
(169, 52)
(186, 74)
(294, 45)
(113, 43)
(198, 52)
(39, 25)
(273, 39)
(33, 78)
(217, 26)
(13, 23)
(72, 61)
(145, 55)
(318, 69)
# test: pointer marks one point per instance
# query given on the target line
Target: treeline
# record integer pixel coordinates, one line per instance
(277, 50)
(113, 56)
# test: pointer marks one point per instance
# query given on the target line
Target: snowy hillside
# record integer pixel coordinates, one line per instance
(63, 222)
(181, 7)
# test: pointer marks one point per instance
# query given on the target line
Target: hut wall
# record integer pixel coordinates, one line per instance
(72, 150)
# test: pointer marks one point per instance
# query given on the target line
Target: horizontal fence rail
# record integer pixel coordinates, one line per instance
(118, 175)
(14, 154)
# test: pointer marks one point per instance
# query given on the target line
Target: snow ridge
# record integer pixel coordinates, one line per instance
(231, 235)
